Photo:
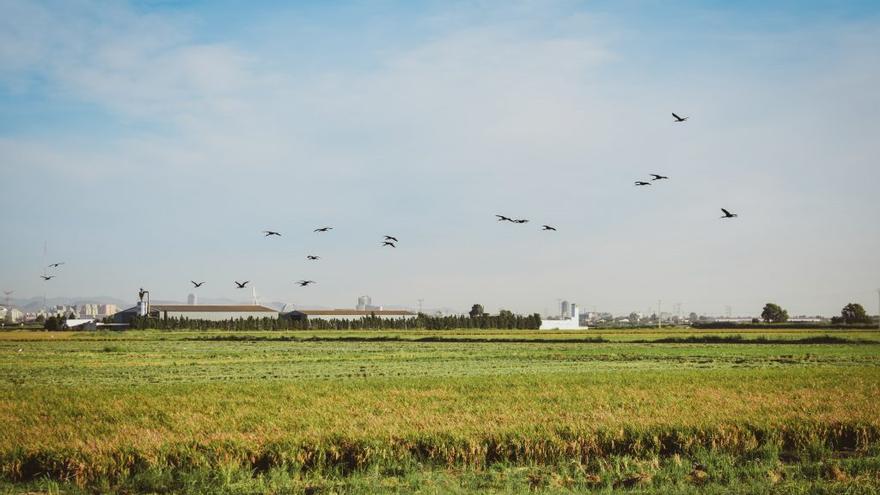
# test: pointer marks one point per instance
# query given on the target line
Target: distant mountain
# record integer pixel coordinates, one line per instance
(33, 304)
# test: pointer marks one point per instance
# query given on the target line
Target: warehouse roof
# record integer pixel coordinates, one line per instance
(212, 308)
(352, 312)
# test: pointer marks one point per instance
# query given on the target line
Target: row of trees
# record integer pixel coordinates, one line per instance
(851, 314)
(505, 319)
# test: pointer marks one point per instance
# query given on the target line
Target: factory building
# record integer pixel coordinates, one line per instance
(349, 314)
(568, 319)
(215, 312)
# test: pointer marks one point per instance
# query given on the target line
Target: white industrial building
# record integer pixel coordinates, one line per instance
(215, 312)
(568, 319)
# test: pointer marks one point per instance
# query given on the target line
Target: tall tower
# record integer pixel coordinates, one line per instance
(564, 309)
(192, 299)
(364, 302)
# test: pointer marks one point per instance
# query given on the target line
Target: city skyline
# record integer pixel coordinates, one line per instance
(183, 131)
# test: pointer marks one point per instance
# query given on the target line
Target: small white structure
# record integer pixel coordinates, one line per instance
(569, 320)
(80, 324)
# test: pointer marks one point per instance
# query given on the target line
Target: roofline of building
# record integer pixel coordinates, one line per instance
(352, 312)
(212, 308)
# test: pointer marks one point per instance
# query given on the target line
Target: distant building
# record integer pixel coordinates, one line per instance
(569, 319)
(349, 314)
(10, 315)
(192, 299)
(88, 310)
(107, 309)
(365, 303)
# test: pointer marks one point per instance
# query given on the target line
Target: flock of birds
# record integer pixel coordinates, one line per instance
(391, 241)
(388, 240)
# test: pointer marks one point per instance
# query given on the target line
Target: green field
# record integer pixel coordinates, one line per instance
(440, 412)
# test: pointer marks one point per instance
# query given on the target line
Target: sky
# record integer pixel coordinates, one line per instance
(149, 143)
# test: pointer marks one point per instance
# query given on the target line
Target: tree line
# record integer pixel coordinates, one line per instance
(851, 314)
(504, 320)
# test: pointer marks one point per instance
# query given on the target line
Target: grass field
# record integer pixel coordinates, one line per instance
(462, 411)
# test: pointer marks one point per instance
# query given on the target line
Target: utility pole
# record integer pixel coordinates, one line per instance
(659, 320)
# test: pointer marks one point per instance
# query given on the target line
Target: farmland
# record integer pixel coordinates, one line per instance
(456, 411)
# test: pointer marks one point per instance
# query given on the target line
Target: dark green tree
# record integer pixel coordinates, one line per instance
(476, 311)
(53, 323)
(854, 313)
(773, 313)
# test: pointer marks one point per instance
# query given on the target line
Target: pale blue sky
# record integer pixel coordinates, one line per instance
(150, 142)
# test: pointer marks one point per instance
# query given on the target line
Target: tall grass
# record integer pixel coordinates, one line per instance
(260, 415)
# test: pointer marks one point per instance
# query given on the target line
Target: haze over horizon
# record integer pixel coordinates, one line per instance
(150, 143)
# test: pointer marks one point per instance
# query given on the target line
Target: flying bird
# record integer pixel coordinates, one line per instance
(728, 214)
(502, 218)
(304, 283)
(56, 265)
(323, 229)
(391, 238)
(679, 119)
(47, 277)
(198, 284)
(642, 183)
(389, 243)
(271, 233)
(658, 177)
(312, 257)
(547, 227)
(520, 220)
(241, 284)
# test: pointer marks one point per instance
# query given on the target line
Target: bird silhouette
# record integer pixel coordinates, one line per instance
(312, 257)
(391, 238)
(547, 227)
(679, 119)
(642, 183)
(323, 229)
(728, 214)
(389, 243)
(520, 220)
(240, 285)
(56, 265)
(304, 283)
(502, 218)
(198, 284)
(271, 233)
(658, 177)
(47, 277)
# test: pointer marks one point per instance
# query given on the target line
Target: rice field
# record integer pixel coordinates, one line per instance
(670, 411)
